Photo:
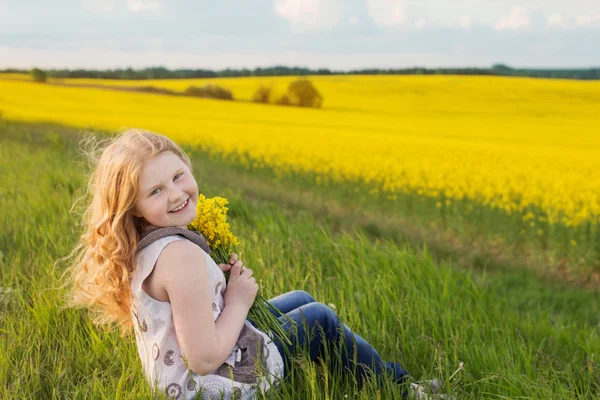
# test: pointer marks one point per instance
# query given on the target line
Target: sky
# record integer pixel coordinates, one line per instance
(334, 34)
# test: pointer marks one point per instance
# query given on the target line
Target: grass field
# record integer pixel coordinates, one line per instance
(518, 336)
(511, 163)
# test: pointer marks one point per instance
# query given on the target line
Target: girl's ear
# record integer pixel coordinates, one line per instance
(135, 213)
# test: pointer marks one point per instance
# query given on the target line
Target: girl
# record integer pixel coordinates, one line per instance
(191, 329)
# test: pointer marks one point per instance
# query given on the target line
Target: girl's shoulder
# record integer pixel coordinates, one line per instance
(168, 249)
(180, 248)
(164, 250)
(159, 260)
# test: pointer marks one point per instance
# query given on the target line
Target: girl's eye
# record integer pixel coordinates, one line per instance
(155, 191)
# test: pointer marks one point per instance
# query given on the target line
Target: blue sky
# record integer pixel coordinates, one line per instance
(336, 34)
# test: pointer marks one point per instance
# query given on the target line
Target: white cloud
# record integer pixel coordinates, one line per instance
(421, 23)
(97, 5)
(557, 21)
(517, 19)
(143, 5)
(387, 12)
(587, 20)
(305, 11)
(465, 22)
(311, 14)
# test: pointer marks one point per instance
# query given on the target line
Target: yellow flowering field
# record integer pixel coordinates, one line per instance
(514, 144)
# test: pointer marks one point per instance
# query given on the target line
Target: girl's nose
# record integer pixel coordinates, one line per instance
(176, 196)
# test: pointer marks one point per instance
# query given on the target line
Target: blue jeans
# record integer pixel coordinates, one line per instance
(310, 316)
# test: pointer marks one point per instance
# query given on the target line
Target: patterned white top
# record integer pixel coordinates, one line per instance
(162, 359)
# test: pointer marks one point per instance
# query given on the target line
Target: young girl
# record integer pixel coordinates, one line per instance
(191, 328)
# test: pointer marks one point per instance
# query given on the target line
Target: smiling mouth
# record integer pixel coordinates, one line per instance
(181, 207)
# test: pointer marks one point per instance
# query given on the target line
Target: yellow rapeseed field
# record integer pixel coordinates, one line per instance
(510, 143)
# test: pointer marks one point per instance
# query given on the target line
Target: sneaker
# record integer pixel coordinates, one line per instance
(429, 390)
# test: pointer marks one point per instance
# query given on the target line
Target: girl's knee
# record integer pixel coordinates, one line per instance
(305, 296)
(325, 314)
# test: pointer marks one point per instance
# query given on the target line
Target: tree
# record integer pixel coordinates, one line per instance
(38, 75)
(262, 94)
(304, 94)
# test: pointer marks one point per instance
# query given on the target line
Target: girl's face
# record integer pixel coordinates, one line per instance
(168, 193)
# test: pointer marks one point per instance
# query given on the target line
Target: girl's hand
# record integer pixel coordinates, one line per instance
(241, 288)
(232, 261)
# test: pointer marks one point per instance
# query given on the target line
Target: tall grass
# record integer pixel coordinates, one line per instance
(518, 337)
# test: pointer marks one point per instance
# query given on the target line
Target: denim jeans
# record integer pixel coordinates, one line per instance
(310, 316)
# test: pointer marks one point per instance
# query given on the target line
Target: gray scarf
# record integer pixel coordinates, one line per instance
(148, 237)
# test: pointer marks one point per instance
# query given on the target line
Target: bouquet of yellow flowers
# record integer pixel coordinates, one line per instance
(211, 222)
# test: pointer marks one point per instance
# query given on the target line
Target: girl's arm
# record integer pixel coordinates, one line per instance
(205, 343)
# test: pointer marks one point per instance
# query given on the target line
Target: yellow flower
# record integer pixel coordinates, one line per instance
(211, 221)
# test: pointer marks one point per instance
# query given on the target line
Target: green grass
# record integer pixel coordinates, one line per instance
(519, 336)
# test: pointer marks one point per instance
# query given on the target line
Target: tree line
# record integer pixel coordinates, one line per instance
(164, 73)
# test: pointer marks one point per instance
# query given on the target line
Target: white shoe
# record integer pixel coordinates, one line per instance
(429, 390)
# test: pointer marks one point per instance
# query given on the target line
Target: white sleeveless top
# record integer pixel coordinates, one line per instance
(158, 347)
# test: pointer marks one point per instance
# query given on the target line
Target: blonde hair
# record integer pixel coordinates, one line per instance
(104, 259)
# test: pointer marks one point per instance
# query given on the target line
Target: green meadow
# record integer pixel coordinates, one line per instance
(519, 333)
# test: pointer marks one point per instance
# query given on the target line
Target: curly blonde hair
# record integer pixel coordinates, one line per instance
(104, 259)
